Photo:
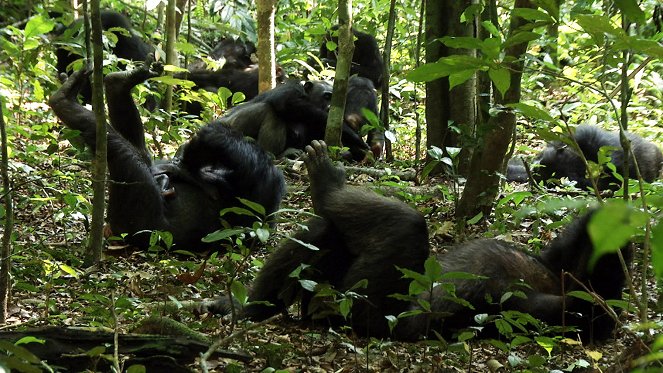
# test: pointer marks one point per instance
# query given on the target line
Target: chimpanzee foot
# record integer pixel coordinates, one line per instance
(123, 81)
(323, 174)
(70, 86)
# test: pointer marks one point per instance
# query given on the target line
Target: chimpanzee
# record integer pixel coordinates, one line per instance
(561, 160)
(243, 80)
(355, 243)
(361, 95)
(129, 47)
(183, 195)
(286, 118)
(516, 171)
(366, 59)
(237, 53)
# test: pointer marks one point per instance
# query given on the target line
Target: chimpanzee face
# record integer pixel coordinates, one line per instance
(319, 93)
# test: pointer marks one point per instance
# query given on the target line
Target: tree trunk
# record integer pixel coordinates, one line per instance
(93, 254)
(483, 181)
(171, 56)
(463, 112)
(6, 250)
(458, 106)
(437, 91)
(346, 47)
(384, 105)
(266, 54)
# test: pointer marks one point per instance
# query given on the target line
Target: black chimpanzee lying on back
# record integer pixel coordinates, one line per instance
(355, 243)
(366, 59)
(129, 47)
(184, 195)
(286, 118)
(561, 160)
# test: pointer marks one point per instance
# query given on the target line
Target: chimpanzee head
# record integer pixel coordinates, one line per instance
(238, 54)
(557, 160)
(319, 93)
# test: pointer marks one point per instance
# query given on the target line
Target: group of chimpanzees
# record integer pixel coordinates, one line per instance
(273, 109)
(355, 243)
(217, 166)
(560, 159)
(183, 195)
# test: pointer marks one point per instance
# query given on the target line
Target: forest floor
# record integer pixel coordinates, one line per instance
(51, 287)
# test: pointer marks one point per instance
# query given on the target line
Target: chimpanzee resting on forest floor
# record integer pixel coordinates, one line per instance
(285, 119)
(357, 243)
(559, 160)
(184, 195)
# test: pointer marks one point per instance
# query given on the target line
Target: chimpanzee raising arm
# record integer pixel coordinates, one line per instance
(183, 196)
(354, 244)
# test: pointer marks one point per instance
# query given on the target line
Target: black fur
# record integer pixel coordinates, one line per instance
(366, 60)
(559, 160)
(183, 195)
(355, 243)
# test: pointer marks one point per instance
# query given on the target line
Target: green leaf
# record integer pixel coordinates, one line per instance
(490, 27)
(263, 234)
(598, 26)
(612, 227)
(461, 42)
(460, 77)
(581, 295)
(308, 285)
(344, 306)
(253, 206)
(222, 234)
(68, 270)
(29, 339)
(37, 25)
(532, 112)
(533, 15)
(520, 37)
(501, 77)
(137, 368)
(546, 342)
(305, 244)
(239, 291)
(631, 10)
(433, 269)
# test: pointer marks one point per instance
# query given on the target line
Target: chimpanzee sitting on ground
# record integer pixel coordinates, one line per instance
(561, 160)
(184, 195)
(361, 95)
(366, 59)
(355, 243)
(286, 118)
(129, 47)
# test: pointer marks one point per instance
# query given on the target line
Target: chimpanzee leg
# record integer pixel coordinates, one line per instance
(74, 115)
(135, 200)
(380, 233)
(274, 284)
(122, 110)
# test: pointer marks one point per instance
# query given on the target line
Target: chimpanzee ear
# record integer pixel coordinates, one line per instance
(308, 87)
